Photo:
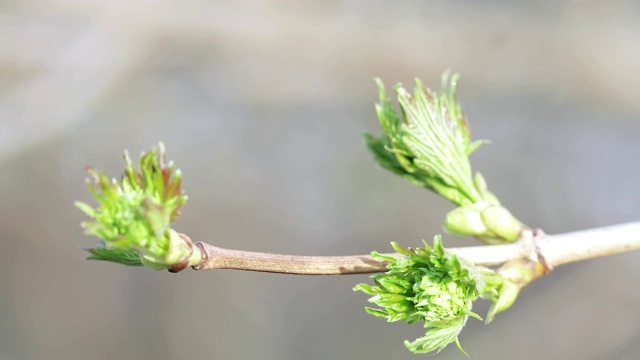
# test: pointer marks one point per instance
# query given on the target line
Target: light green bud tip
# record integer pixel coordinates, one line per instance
(492, 224)
(133, 216)
(502, 223)
(466, 221)
(428, 285)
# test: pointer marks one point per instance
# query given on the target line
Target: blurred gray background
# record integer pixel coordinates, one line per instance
(262, 105)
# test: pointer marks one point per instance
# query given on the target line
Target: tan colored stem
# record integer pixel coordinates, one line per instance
(551, 251)
(214, 257)
(589, 244)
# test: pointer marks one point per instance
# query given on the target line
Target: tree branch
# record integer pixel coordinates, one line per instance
(214, 257)
(589, 244)
(552, 251)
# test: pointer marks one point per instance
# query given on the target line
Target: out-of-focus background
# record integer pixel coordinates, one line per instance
(262, 105)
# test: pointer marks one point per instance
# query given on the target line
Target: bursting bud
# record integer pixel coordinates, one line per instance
(134, 216)
(467, 220)
(427, 285)
(428, 143)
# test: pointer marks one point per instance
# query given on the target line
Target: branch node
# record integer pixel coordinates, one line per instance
(538, 235)
(205, 256)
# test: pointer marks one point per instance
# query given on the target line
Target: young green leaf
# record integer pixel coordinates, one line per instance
(118, 256)
(430, 145)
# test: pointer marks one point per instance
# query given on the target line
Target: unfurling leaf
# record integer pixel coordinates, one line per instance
(429, 145)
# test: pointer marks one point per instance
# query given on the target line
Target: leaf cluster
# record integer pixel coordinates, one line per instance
(133, 216)
(429, 285)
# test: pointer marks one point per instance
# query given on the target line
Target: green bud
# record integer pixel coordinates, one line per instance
(465, 221)
(500, 222)
(493, 224)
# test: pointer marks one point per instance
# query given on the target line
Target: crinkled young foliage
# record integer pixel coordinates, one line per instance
(428, 285)
(133, 216)
(430, 144)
